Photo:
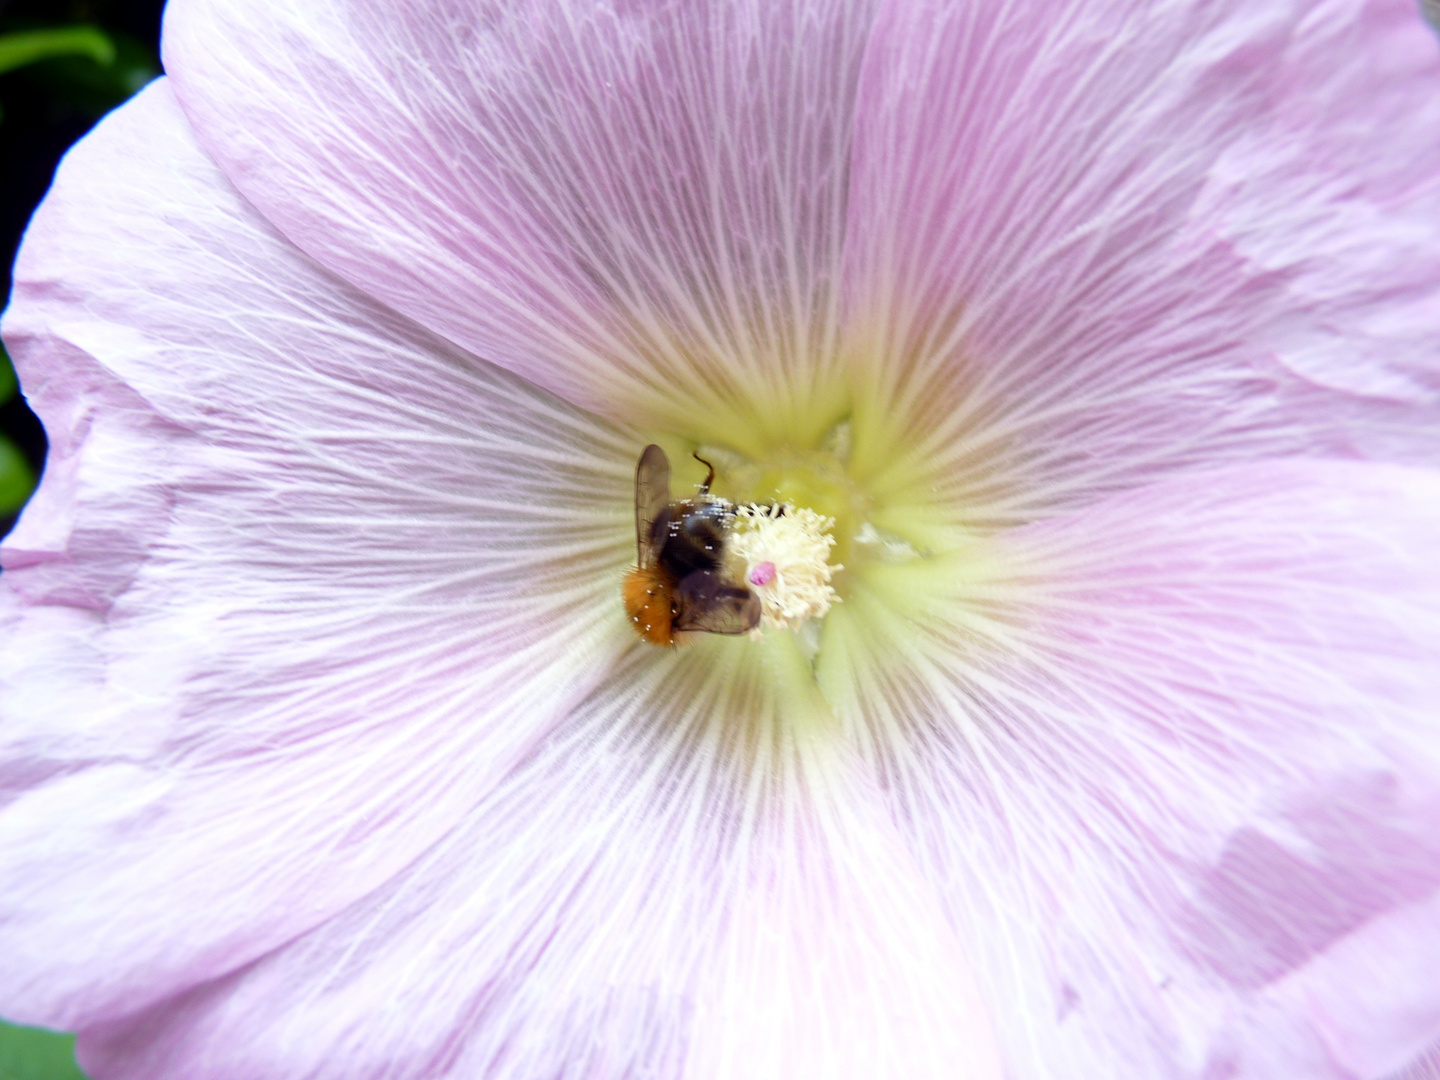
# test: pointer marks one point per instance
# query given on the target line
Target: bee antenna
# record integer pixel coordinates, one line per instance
(709, 477)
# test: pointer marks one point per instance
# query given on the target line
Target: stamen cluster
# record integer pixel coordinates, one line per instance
(782, 553)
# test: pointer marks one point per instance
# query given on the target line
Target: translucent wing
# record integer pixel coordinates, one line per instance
(652, 497)
(706, 601)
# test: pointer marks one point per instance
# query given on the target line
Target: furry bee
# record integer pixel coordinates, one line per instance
(678, 583)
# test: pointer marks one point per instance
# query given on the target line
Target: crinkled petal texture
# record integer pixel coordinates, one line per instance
(593, 918)
(1094, 244)
(328, 750)
(302, 582)
(1134, 779)
(1173, 763)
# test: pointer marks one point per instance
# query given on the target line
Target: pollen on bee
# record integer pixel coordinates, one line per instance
(648, 606)
(782, 553)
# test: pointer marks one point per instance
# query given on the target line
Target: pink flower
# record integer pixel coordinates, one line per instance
(1106, 331)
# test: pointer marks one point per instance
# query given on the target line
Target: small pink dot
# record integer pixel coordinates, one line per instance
(762, 574)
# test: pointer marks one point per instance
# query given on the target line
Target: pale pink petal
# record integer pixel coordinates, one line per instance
(693, 879)
(1066, 258)
(1174, 764)
(1360, 1007)
(300, 585)
(638, 206)
(1337, 195)
(1426, 1067)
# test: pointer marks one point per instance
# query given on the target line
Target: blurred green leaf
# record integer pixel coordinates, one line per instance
(16, 483)
(30, 46)
(34, 1054)
(8, 385)
(94, 88)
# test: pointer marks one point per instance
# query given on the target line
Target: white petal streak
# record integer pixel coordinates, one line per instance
(689, 881)
(1170, 756)
(343, 576)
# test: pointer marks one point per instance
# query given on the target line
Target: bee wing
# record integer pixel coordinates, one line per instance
(706, 601)
(652, 497)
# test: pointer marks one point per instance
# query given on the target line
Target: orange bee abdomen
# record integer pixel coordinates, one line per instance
(647, 602)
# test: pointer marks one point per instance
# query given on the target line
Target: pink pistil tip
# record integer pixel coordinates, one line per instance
(762, 574)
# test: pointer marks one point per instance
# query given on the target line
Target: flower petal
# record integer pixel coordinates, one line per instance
(1426, 1067)
(1347, 160)
(1066, 257)
(637, 206)
(301, 584)
(1174, 763)
(693, 879)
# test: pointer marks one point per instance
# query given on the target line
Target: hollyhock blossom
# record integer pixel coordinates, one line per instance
(1105, 332)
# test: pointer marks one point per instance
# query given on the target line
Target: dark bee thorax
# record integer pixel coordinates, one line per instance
(690, 535)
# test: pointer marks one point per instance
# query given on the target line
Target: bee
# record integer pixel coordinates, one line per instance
(677, 582)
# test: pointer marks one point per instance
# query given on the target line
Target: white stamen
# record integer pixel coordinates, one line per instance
(782, 553)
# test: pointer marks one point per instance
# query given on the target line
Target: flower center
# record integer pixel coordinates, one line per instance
(803, 559)
(837, 573)
(814, 480)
